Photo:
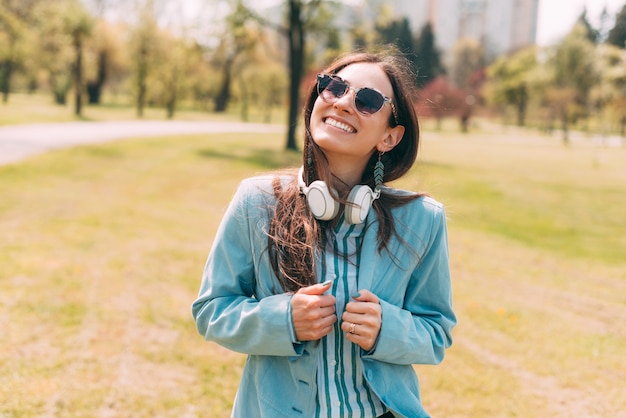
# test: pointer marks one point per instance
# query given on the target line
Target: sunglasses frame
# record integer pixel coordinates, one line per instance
(333, 77)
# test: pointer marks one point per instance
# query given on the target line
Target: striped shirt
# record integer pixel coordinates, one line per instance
(342, 389)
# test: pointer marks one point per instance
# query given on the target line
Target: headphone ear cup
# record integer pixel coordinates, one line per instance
(358, 206)
(320, 201)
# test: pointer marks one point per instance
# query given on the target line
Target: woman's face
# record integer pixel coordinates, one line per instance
(346, 136)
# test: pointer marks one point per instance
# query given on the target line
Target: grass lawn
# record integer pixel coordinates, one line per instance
(102, 249)
(37, 107)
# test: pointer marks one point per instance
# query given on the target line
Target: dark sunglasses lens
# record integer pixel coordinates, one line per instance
(331, 88)
(369, 101)
(322, 82)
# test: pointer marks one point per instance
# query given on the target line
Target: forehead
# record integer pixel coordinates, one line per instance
(367, 75)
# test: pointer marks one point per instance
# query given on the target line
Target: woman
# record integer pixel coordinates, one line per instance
(333, 302)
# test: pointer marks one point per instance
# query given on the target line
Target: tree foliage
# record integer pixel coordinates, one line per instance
(144, 50)
(232, 55)
(241, 36)
(440, 99)
(617, 35)
(509, 81)
(573, 74)
(303, 17)
(398, 33)
(427, 57)
(15, 38)
(591, 33)
(468, 59)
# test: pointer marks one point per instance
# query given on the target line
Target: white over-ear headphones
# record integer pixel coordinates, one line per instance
(325, 208)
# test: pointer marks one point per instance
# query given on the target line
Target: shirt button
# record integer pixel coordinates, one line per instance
(337, 403)
(333, 363)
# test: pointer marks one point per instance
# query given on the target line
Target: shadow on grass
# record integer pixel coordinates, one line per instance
(264, 158)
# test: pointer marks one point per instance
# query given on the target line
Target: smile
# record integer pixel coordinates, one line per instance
(339, 125)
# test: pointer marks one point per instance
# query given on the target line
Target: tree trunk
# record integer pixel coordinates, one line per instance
(94, 88)
(78, 74)
(244, 98)
(223, 97)
(6, 71)
(142, 74)
(565, 127)
(171, 106)
(296, 64)
(521, 107)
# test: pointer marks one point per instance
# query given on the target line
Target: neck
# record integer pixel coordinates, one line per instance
(347, 174)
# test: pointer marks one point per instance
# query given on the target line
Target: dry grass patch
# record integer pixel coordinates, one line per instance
(102, 250)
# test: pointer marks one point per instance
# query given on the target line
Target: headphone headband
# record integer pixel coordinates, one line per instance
(325, 208)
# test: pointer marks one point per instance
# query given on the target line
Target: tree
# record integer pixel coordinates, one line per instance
(609, 95)
(239, 38)
(143, 50)
(617, 35)
(603, 27)
(11, 33)
(16, 39)
(439, 99)
(468, 58)
(428, 59)
(508, 82)
(167, 80)
(55, 52)
(592, 34)
(572, 75)
(398, 33)
(296, 39)
(262, 82)
(302, 18)
(78, 24)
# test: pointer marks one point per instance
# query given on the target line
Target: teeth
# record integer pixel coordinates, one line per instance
(340, 125)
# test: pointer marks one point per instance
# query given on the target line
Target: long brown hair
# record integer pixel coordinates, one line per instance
(295, 236)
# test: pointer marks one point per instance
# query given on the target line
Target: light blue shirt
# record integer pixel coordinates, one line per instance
(241, 306)
(342, 388)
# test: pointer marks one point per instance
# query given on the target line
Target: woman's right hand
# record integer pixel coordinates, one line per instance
(313, 312)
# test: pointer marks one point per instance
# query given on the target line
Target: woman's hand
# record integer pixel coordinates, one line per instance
(313, 312)
(362, 320)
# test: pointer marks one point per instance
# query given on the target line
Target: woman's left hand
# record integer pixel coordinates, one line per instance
(362, 320)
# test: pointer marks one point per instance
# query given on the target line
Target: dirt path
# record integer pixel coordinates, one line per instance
(18, 142)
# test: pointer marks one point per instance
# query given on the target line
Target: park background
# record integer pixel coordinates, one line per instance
(102, 246)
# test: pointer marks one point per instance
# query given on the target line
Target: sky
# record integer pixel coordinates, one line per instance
(556, 17)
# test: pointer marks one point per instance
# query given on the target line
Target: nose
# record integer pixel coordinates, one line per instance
(345, 102)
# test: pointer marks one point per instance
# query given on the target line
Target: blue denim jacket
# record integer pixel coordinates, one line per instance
(241, 307)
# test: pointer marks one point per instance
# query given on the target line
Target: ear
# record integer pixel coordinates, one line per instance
(393, 136)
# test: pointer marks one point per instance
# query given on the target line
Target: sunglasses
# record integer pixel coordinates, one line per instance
(366, 100)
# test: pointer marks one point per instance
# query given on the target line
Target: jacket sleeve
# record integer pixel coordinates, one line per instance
(419, 331)
(227, 309)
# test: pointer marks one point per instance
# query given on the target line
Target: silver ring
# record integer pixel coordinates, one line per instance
(352, 326)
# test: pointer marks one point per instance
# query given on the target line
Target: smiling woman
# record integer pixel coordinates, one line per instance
(328, 277)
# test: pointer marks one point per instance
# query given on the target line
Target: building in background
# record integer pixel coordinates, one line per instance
(501, 26)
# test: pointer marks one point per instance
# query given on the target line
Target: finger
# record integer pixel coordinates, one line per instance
(313, 304)
(365, 295)
(313, 334)
(349, 327)
(316, 289)
(364, 308)
(365, 342)
(367, 323)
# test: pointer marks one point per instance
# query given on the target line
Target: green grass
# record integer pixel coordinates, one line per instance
(39, 108)
(102, 250)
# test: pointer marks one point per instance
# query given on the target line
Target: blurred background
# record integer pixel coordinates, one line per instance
(549, 64)
(523, 111)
